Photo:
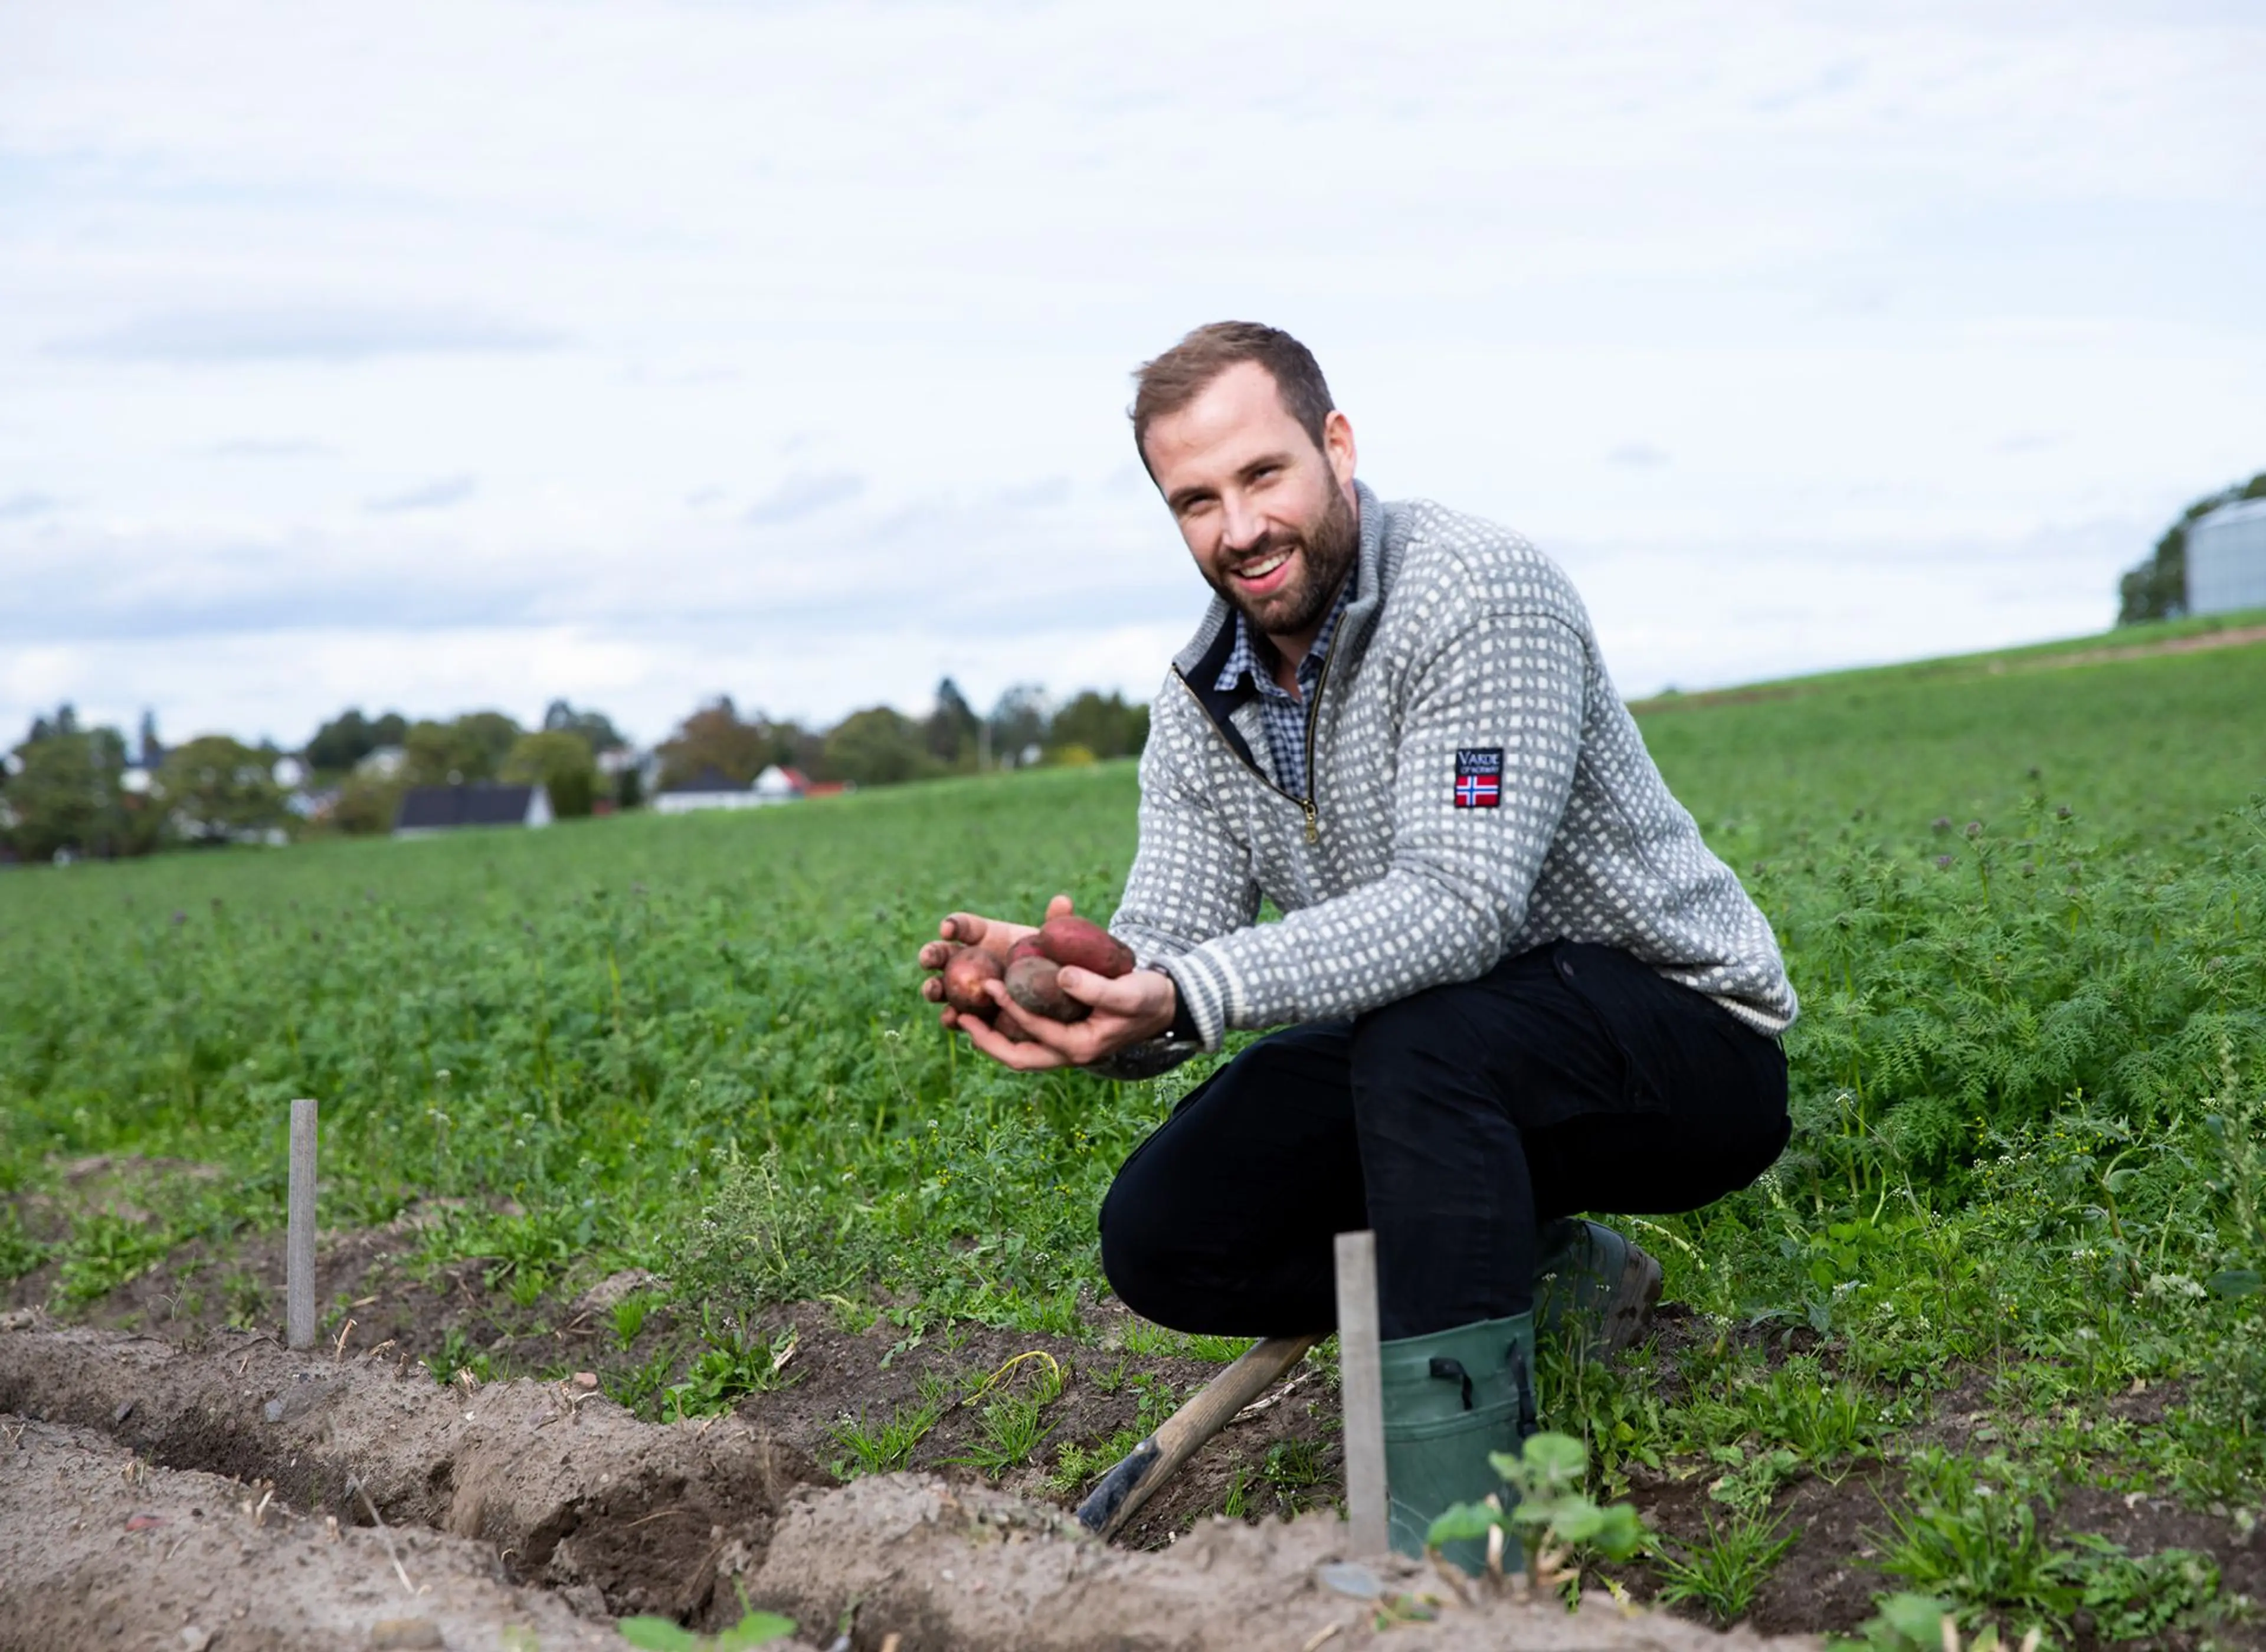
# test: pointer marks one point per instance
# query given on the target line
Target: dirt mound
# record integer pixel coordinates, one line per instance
(98, 1549)
(568, 1488)
(529, 1503)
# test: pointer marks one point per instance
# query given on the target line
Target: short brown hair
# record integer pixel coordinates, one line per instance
(1178, 377)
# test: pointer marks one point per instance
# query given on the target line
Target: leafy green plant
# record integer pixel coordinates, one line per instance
(735, 1363)
(1970, 1534)
(19, 1252)
(629, 1317)
(1720, 1575)
(104, 1251)
(663, 1635)
(456, 1354)
(1552, 1511)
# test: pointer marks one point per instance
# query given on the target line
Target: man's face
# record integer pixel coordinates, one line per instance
(1269, 516)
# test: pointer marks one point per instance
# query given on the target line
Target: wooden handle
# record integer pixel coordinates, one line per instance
(1149, 1465)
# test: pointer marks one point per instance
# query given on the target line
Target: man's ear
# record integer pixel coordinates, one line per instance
(1337, 447)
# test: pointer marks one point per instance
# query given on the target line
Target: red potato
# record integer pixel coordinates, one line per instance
(1026, 946)
(1075, 943)
(1034, 984)
(965, 974)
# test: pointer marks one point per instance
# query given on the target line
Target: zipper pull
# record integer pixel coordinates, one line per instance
(1313, 822)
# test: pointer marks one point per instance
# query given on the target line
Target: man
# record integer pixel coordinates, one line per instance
(1514, 982)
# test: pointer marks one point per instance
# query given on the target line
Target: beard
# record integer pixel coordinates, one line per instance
(1325, 550)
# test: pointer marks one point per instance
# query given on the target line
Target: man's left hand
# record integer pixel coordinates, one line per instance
(1129, 1010)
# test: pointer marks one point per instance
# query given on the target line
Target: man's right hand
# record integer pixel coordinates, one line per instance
(994, 935)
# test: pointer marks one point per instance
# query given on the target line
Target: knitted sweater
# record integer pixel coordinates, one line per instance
(1478, 789)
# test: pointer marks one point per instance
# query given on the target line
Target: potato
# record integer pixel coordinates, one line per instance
(1028, 946)
(1033, 983)
(1075, 943)
(964, 976)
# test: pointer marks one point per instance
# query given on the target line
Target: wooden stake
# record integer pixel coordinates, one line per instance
(299, 1235)
(1361, 1386)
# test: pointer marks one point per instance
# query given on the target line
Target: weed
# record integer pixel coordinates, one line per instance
(1013, 1424)
(245, 1300)
(1077, 1465)
(19, 1252)
(456, 1355)
(889, 1448)
(1973, 1539)
(104, 1251)
(663, 1635)
(1720, 1575)
(735, 1364)
(1233, 1505)
(629, 1317)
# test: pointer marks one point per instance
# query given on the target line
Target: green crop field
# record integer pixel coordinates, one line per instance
(2006, 1281)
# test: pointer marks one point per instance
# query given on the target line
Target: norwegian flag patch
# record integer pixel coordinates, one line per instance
(1479, 776)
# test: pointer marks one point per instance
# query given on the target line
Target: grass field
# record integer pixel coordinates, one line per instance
(1991, 1332)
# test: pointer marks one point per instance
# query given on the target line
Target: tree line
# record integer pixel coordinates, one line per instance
(71, 790)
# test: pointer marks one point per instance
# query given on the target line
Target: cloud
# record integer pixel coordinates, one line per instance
(1637, 455)
(805, 495)
(23, 507)
(439, 495)
(209, 337)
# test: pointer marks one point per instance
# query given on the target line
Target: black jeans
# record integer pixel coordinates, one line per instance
(1453, 1123)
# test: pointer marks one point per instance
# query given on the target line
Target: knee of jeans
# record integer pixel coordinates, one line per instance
(1133, 1256)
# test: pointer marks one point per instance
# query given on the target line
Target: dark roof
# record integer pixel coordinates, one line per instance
(711, 779)
(431, 808)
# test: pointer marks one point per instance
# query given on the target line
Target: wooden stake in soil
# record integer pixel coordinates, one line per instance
(299, 1235)
(1361, 1386)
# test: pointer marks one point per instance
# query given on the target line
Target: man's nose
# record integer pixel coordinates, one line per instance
(1243, 527)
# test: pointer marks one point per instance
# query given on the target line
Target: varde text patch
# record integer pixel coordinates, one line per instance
(1479, 776)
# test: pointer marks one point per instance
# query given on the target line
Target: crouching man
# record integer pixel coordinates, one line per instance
(1513, 983)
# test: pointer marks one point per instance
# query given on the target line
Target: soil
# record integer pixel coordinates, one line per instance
(561, 1492)
(214, 1498)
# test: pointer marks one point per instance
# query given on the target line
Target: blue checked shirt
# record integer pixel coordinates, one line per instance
(1284, 717)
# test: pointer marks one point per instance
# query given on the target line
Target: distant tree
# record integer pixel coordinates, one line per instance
(152, 750)
(714, 737)
(1104, 725)
(2157, 588)
(493, 732)
(595, 727)
(559, 761)
(877, 747)
(472, 748)
(952, 726)
(349, 737)
(215, 790)
(62, 727)
(64, 794)
(1019, 721)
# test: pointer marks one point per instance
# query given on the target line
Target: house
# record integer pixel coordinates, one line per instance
(428, 809)
(711, 788)
(776, 784)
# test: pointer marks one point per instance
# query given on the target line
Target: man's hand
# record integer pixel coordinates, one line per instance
(1129, 1010)
(994, 935)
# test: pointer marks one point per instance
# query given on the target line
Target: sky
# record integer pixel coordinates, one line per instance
(473, 354)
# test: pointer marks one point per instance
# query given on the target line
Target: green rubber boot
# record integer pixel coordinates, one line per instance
(1588, 1277)
(1450, 1398)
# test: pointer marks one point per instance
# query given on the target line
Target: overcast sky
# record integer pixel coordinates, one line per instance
(467, 355)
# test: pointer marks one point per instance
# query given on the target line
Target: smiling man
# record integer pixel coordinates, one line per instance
(1513, 983)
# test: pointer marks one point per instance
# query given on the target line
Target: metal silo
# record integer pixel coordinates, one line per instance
(2227, 558)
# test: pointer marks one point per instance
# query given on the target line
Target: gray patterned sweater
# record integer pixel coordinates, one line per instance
(1465, 658)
